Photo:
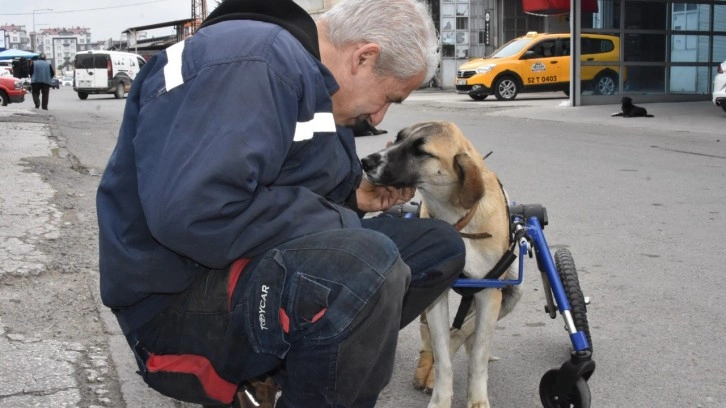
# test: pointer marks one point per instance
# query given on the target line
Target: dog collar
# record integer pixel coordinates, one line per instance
(465, 220)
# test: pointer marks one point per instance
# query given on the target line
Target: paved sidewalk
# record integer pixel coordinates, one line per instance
(34, 371)
(701, 116)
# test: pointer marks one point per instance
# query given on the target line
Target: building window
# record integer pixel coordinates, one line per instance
(462, 23)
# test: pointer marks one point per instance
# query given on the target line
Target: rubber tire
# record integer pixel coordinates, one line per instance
(119, 93)
(506, 88)
(723, 106)
(478, 97)
(568, 276)
(83, 95)
(4, 100)
(606, 84)
(579, 395)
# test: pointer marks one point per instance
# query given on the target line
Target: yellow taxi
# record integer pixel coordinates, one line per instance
(539, 62)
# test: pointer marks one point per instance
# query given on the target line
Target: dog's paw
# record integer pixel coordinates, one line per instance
(481, 404)
(423, 377)
(492, 357)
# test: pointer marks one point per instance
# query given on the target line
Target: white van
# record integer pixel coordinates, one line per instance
(105, 72)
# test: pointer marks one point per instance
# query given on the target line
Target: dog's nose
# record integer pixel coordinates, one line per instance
(370, 162)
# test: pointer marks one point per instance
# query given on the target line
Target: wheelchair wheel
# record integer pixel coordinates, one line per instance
(577, 397)
(568, 276)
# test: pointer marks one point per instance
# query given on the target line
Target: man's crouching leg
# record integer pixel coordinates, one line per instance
(340, 315)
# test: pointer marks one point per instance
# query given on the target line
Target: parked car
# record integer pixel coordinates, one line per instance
(67, 81)
(540, 62)
(11, 90)
(55, 83)
(105, 72)
(6, 68)
(719, 86)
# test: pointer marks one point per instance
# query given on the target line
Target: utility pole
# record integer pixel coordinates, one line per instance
(199, 13)
(34, 35)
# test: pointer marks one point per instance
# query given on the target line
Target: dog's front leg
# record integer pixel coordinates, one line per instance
(438, 318)
(487, 303)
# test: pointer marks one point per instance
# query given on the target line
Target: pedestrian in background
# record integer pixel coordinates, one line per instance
(41, 74)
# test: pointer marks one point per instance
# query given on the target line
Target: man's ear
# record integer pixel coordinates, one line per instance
(365, 55)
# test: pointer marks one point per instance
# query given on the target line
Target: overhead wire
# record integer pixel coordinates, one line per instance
(87, 9)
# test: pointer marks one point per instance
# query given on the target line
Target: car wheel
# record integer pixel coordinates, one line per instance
(606, 84)
(723, 106)
(83, 95)
(3, 98)
(119, 91)
(506, 88)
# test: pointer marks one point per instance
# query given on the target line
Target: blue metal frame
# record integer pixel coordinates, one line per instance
(546, 264)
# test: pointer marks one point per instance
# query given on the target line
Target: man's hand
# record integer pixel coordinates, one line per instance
(380, 198)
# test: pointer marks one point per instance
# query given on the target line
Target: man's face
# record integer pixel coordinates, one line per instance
(364, 94)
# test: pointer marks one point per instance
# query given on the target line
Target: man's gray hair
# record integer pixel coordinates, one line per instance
(403, 29)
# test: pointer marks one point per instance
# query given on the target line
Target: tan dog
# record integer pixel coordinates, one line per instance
(455, 187)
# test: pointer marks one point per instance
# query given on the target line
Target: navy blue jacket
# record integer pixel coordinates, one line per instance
(227, 149)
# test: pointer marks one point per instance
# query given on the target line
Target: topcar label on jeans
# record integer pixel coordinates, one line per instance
(263, 307)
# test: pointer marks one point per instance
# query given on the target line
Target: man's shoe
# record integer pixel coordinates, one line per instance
(264, 393)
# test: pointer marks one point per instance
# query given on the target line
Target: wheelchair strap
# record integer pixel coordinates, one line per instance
(467, 294)
(464, 307)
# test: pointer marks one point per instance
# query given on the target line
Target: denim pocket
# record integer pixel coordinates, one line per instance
(341, 306)
(308, 302)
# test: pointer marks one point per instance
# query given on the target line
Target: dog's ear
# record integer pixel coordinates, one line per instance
(471, 182)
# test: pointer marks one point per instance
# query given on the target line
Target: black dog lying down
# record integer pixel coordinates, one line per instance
(628, 110)
(364, 128)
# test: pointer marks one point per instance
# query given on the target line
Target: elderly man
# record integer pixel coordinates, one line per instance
(41, 74)
(231, 239)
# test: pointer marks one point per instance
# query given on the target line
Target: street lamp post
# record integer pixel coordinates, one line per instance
(34, 36)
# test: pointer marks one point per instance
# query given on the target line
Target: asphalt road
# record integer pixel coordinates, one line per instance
(639, 205)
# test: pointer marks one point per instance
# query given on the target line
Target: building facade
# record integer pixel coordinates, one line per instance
(61, 44)
(16, 36)
(669, 49)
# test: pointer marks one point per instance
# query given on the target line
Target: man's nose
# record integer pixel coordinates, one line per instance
(370, 162)
(377, 117)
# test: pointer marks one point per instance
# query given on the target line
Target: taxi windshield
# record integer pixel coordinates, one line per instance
(511, 48)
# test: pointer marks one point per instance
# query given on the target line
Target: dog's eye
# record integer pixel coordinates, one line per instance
(418, 148)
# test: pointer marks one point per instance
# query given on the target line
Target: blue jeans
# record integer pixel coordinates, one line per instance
(321, 312)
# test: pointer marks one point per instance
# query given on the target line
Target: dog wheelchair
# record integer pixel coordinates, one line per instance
(566, 386)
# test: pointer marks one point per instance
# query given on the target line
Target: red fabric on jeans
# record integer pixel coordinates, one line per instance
(214, 386)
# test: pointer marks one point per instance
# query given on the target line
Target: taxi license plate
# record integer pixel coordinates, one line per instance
(461, 82)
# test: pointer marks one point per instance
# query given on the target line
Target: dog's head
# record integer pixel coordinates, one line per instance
(436, 158)
(626, 100)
